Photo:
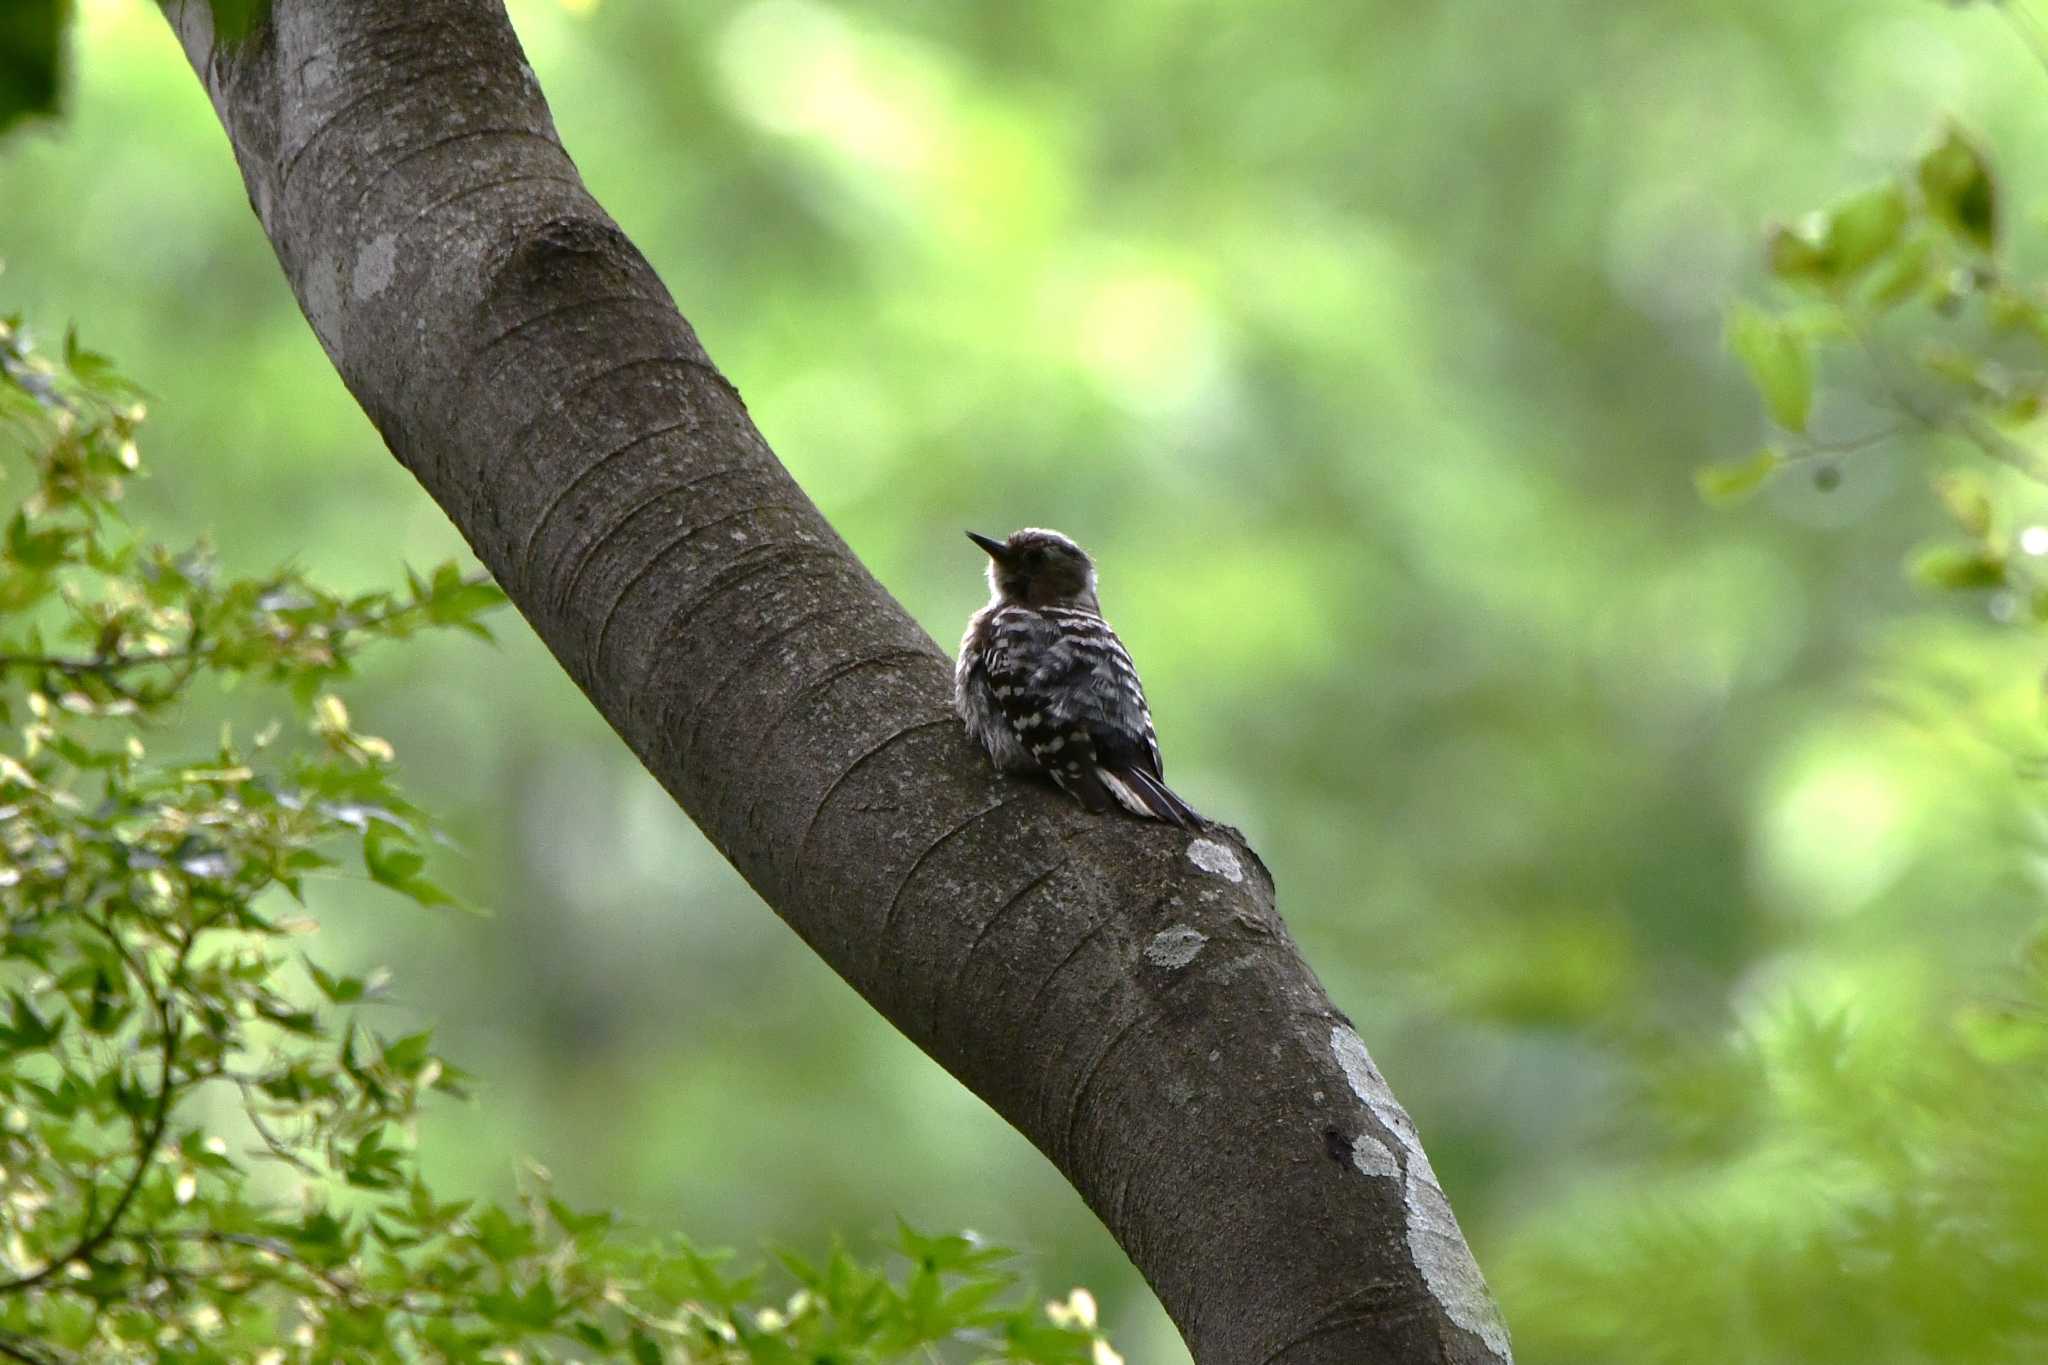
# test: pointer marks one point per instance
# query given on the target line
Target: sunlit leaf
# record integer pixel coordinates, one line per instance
(1968, 500)
(390, 855)
(1905, 275)
(1732, 480)
(1776, 358)
(1836, 244)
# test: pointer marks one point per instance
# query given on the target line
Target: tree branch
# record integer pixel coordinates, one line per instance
(1121, 992)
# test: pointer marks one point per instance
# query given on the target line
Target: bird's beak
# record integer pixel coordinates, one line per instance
(996, 548)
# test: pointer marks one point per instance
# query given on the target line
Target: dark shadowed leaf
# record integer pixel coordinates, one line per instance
(31, 50)
(1956, 180)
(1959, 567)
(234, 19)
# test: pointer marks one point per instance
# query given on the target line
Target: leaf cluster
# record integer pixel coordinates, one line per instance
(207, 1143)
(1860, 1179)
(1844, 1184)
(1905, 306)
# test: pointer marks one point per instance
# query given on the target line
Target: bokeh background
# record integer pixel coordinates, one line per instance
(1370, 347)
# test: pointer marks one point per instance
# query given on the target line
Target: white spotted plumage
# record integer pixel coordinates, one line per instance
(1045, 686)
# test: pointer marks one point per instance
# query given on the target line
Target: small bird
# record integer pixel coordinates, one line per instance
(1046, 687)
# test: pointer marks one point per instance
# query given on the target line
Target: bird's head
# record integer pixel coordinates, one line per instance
(1039, 569)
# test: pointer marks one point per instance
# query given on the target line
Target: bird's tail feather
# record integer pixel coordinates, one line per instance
(1143, 794)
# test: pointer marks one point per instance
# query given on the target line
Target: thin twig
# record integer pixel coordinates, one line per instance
(435, 1302)
(14, 1348)
(277, 1146)
(1967, 425)
(106, 665)
(351, 1293)
(1816, 450)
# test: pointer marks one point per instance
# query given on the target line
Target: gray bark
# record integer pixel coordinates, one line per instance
(1122, 992)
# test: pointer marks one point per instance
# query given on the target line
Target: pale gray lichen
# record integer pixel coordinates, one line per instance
(1175, 947)
(1216, 860)
(1434, 1240)
(315, 72)
(376, 263)
(1372, 1157)
(1438, 1247)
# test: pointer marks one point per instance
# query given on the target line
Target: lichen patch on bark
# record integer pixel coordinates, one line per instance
(1434, 1240)
(1373, 1157)
(1176, 947)
(1216, 860)
(376, 263)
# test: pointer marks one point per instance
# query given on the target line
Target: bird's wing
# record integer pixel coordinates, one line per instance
(1032, 667)
(1097, 689)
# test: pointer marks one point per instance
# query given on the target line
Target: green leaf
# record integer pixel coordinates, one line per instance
(1864, 226)
(1956, 181)
(372, 1165)
(970, 1302)
(1733, 480)
(465, 601)
(90, 368)
(1908, 273)
(1968, 500)
(1839, 242)
(1958, 568)
(33, 549)
(31, 52)
(234, 20)
(320, 1237)
(577, 1224)
(28, 1030)
(501, 1238)
(389, 854)
(1795, 252)
(1775, 356)
(342, 990)
(408, 1054)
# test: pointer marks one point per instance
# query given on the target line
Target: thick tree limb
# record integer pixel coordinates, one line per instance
(1122, 993)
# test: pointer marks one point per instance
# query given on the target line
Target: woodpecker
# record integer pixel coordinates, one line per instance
(1046, 687)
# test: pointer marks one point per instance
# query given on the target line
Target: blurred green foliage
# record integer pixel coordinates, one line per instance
(1674, 863)
(146, 906)
(31, 54)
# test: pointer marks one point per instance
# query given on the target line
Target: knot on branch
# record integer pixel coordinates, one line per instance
(562, 248)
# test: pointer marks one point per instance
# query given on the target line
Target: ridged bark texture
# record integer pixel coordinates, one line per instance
(1122, 992)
